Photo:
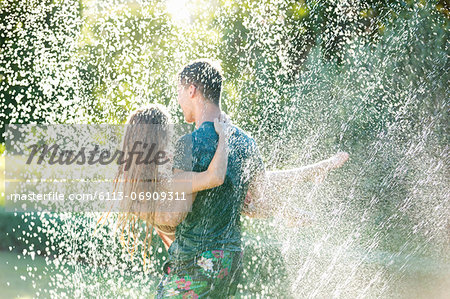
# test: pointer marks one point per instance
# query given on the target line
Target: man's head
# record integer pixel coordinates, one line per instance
(199, 83)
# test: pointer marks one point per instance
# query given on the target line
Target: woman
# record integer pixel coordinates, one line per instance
(135, 180)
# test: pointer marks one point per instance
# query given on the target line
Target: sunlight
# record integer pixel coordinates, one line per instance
(178, 10)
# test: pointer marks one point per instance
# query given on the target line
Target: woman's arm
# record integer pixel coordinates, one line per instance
(190, 182)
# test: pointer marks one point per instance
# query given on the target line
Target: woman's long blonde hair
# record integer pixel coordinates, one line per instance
(148, 125)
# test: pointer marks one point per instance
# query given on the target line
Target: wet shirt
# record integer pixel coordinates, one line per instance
(214, 221)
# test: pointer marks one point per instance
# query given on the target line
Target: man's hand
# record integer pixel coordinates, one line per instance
(334, 162)
(339, 159)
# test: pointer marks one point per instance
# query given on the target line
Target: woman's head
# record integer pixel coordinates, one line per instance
(146, 133)
(145, 129)
(151, 114)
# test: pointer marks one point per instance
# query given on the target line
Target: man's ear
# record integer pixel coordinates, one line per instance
(192, 90)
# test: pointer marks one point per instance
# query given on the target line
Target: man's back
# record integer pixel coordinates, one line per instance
(214, 222)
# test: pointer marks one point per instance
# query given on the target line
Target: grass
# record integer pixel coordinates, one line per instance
(15, 282)
(31, 278)
(2, 176)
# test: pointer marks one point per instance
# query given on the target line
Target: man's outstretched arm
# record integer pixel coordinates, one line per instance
(263, 200)
(313, 172)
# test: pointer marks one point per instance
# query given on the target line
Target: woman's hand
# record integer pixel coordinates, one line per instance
(222, 125)
(224, 118)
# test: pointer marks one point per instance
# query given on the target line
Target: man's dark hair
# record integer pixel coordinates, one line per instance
(205, 76)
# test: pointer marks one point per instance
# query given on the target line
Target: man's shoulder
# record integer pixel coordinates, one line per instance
(245, 150)
(206, 136)
(185, 138)
(184, 142)
(243, 136)
(203, 140)
(197, 135)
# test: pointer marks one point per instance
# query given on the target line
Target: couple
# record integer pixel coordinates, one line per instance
(219, 166)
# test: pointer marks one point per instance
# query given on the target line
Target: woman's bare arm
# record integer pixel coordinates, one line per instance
(191, 182)
(188, 183)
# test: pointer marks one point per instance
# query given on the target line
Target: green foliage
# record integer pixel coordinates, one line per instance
(386, 105)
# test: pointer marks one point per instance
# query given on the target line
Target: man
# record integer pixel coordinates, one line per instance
(205, 255)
